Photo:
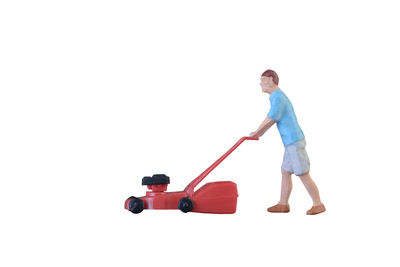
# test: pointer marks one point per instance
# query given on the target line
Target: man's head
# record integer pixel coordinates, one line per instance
(269, 81)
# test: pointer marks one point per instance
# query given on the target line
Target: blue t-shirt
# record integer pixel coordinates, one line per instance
(283, 113)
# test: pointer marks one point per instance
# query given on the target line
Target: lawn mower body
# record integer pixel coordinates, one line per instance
(214, 197)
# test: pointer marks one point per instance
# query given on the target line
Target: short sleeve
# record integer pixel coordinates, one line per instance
(277, 109)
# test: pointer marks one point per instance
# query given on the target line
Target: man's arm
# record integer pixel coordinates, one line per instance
(265, 125)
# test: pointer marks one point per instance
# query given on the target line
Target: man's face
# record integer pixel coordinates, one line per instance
(266, 84)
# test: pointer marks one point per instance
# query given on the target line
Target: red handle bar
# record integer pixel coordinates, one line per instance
(190, 187)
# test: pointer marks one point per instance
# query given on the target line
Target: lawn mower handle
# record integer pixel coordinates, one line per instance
(190, 187)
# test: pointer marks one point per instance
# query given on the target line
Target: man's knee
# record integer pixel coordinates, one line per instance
(305, 177)
(286, 173)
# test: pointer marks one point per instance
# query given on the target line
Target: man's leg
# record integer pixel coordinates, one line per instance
(286, 189)
(312, 189)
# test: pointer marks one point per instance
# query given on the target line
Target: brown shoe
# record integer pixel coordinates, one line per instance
(279, 208)
(316, 210)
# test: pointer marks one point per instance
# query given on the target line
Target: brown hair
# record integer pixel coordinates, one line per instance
(271, 73)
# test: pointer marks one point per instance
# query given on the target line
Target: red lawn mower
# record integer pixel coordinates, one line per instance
(215, 197)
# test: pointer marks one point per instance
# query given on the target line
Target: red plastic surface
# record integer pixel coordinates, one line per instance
(158, 187)
(215, 197)
(162, 200)
(190, 187)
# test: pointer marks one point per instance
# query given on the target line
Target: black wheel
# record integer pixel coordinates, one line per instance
(136, 205)
(185, 204)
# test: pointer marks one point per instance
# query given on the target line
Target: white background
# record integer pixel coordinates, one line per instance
(94, 95)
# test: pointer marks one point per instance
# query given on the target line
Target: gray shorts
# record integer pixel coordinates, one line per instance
(295, 159)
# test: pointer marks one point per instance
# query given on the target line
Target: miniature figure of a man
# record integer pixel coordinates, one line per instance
(295, 159)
